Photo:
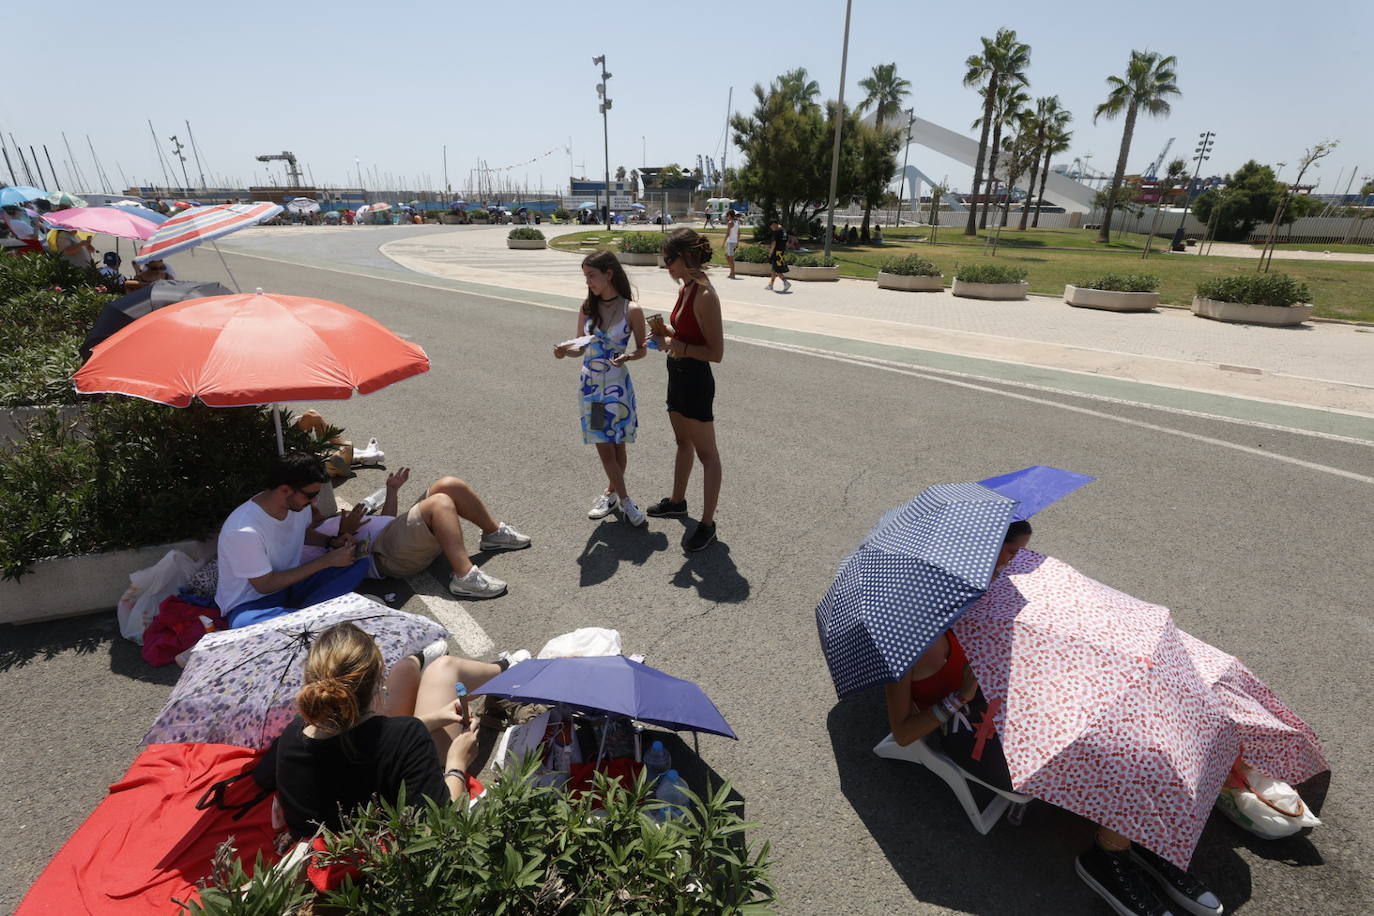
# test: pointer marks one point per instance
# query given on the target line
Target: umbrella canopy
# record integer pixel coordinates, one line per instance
(15, 194)
(613, 684)
(202, 224)
(374, 208)
(303, 205)
(118, 222)
(1036, 487)
(126, 309)
(247, 349)
(912, 577)
(586, 205)
(457, 204)
(65, 199)
(1102, 710)
(240, 685)
(152, 216)
(637, 207)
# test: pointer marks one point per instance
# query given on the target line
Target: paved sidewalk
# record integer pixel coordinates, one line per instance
(1315, 365)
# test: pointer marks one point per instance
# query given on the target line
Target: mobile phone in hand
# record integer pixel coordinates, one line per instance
(361, 548)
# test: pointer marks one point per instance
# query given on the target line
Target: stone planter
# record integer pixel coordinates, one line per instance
(1110, 300)
(1251, 313)
(811, 274)
(528, 244)
(640, 259)
(990, 290)
(911, 283)
(747, 269)
(71, 586)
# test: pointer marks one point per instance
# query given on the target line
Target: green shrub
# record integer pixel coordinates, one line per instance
(1121, 283)
(531, 850)
(751, 254)
(130, 473)
(526, 233)
(989, 273)
(1259, 289)
(810, 260)
(46, 308)
(913, 265)
(562, 214)
(478, 215)
(641, 242)
(763, 234)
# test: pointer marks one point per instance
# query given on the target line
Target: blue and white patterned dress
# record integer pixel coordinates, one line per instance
(607, 384)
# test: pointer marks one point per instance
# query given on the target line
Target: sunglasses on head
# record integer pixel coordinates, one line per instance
(668, 259)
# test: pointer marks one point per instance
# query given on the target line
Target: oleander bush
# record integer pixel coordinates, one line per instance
(1279, 290)
(478, 215)
(531, 850)
(751, 254)
(1121, 283)
(561, 214)
(641, 242)
(525, 233)
(806, 260)
(990, 273)
(912, 265)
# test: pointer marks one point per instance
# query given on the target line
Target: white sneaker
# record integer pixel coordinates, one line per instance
(786, 286)
(505, 538)
(605, 504)
(370, 454)
(476, 584)
(435, 650)
(516, 657)
(633, 514)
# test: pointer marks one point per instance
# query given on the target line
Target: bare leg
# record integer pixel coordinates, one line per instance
(686, 454)
(730, 259)
(615, 474)
(703, 439)
(622, 457)
(437, 690)
(1111, 840)
(466, 501)
(401, 686)
(441, 516)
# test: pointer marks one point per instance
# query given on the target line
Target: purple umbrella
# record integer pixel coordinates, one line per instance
(615, 684)
(1036, 487)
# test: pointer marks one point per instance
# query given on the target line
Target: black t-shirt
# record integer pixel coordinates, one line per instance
(779, 240)
(320, 778)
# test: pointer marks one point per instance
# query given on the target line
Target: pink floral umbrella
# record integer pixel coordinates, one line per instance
(1105, 708)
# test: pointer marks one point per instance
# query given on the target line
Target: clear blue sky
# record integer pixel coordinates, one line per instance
(392, 83)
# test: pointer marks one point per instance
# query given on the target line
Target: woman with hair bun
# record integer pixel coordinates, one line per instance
(361, 733)
(693, 341)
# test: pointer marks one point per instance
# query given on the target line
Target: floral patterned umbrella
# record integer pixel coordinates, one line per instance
(240, 686)
(1105, 708)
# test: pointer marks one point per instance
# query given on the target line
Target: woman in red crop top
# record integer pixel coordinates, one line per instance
(694, 341)
(935, 696)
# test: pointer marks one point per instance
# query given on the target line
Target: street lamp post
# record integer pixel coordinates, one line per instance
(1202, 154)
(901, 179)
(839, 124)
(605, 129)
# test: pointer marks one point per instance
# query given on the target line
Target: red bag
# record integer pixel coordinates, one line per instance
(176, 628)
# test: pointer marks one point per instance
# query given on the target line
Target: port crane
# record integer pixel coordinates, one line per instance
(293, 171)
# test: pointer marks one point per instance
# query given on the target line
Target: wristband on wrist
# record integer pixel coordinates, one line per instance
(952, 703)
(456, 772)
(938, 711)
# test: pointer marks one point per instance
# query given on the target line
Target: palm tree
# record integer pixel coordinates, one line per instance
(1047, 120)
(1149, 80)
(1056, 142)
(1003, 60)
(1007, 110)
(884, 93)
(797, 86)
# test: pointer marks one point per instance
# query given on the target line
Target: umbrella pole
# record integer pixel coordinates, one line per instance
(276, 422)
(231, 278)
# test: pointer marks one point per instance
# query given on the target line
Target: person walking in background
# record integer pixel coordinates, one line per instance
(731, 239)
(605, 323)
(694, 341)
(777, 256)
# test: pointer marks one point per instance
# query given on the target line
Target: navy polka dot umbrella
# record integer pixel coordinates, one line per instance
(917, 571)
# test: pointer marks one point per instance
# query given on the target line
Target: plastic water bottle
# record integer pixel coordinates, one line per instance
(657, 762)
(670, 792)
(374, 501)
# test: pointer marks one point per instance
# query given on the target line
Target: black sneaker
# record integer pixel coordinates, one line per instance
(1185, 890)
(1119, 881)
(666, 507)
(701, 538)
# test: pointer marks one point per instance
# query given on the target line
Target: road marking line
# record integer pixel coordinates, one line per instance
(1197, 437)
(878, 362)
(473, 640)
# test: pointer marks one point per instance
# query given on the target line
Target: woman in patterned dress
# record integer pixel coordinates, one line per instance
(929, 703)
(607, 321)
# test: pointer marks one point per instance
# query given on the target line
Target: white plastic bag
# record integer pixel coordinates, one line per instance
(588, 642)
(1269, 808)
(147, 588)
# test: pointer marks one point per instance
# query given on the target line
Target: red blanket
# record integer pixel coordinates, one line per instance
(146, 842)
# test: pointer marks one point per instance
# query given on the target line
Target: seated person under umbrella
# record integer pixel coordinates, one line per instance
(262, 569)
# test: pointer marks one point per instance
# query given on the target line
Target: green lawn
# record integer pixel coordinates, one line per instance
(1318, 246)
(1339, 289)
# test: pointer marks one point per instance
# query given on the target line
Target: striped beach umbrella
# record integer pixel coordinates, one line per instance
(202, 224)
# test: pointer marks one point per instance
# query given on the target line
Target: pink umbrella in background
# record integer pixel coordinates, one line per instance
(1105, 708)
(108, 220)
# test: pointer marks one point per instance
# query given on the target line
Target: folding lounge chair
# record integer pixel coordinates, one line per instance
(958, 780)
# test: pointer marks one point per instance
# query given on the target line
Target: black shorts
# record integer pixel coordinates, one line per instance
(691, 388)
(778, 261)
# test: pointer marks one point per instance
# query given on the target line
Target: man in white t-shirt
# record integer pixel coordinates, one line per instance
(731, 239)
(261, 574)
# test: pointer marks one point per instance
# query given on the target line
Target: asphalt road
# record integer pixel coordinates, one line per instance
(1264, 558)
